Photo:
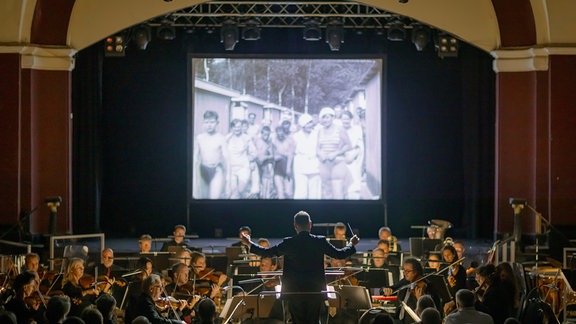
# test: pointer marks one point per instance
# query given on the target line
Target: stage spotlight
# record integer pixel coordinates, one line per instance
(114, 46)
(166, 32)
(335, 34)
(396, 31)
(447, 46)
(420, 36)
(229, 34)
(141, 36)
(312, 31)
(251, 30)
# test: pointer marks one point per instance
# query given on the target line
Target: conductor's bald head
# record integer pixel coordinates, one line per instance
(302, 221)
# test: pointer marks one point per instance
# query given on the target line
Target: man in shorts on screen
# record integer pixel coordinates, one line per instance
(210, 159)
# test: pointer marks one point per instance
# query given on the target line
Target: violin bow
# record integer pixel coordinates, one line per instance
(428, 275)
(171, 306)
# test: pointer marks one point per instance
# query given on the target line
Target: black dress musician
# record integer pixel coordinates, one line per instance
(24, 304)
(303, 278)
(494, 298)
(456, 274)
(410, 288)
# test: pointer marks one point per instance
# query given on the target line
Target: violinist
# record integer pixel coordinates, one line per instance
(411, 288)
(493, 297)
(31, 262)
(200, 272)
(456, 274)
(180, 285)
(182, 288)
(269, 264)
(81, 289)
(27, 305)
(135, 287)
(146, 306)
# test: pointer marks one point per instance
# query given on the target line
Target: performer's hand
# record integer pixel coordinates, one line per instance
(245, 239)
(387, 291)
(354, 240)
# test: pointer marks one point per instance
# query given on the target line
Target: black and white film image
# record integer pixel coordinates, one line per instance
(286, 129)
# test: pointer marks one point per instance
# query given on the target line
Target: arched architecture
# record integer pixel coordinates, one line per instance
(532, 43)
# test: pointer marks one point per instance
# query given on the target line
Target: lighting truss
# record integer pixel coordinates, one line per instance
(279, 14)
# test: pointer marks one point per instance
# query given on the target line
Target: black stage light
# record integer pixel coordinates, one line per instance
(141, 36)
(396, 31)
(166, 32)
(312, 31)
(335, 34)
(229, 34)
(420, 36)
(251, 30)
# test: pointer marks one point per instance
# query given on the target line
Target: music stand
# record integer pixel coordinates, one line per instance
(353, 297)
(421, 246)
(232, 253)
(439, 284)
(374, 278)
(254, 306)
(160, 260)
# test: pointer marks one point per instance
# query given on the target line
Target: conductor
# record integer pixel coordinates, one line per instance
(303, 278)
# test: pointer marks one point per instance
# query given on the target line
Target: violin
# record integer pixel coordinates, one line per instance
(88, 284)
(209, 274)
(105, 284)
(452, 272)
(418, 288)
(163, 303)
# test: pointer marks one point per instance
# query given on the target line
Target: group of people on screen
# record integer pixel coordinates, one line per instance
(315, 157)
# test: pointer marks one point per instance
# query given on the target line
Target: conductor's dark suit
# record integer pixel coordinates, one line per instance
(304, 271)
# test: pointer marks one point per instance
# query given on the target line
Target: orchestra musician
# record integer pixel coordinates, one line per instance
(82, 294)
(107, 267)
(455, 275)
(200, 272)
(411, 288)
(303, 277)
(493, 297)
(182, 288)
(178, 239)
(434, 261)
(385, 233)
(183, 255)
(26, 304)
(135, 287)
(31, 262)
(146, 304)
(145, 243)
(340, 231)
(241, 231)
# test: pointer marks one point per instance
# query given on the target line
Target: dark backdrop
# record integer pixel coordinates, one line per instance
(131, 141)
